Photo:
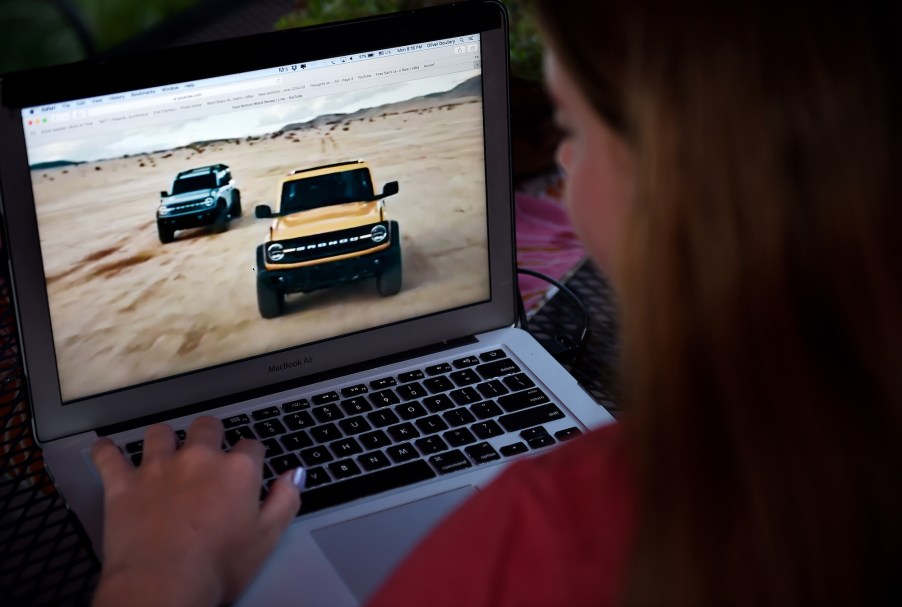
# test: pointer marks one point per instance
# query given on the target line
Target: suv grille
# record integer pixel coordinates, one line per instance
(329, 244)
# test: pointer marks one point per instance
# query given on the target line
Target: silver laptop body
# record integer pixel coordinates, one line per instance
(308, 234)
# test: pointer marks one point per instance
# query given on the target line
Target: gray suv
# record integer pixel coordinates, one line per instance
(205, 196)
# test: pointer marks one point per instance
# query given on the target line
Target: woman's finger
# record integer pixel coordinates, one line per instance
(159, 442)
(205, 431)
(109, 462)
(253, 450)
(282, 504)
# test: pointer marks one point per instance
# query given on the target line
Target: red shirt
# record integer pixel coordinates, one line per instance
(551, 530)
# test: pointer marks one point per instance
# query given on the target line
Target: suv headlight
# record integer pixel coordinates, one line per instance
(209, 202)
(378, 233)
(165, 210)
(275, 252)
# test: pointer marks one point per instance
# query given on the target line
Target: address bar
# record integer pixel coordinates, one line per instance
(187, 95)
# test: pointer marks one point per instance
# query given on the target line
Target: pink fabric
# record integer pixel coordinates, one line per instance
(546, 243)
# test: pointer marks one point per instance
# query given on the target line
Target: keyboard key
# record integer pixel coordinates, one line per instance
(403, 432)
(491, 389)
(541, 441)
(236, 434)
(411, 376)
(326, 397)
(431, 444)
(469, 361)
(135, 447)
(567, 433)
(530, 417)
(232, 422)
(328, 413)
(343, 469)
(523, 400)
(384, 398)
(520, 381)
(373, 461)
(514, 449)
(374, 440)
(487, 429)
(316, 476)
(298, 421)
(402, 453)
(295, 405)
(439, 369)
(438, 384)
(438, 403)
(356, 405)
(383, 417)
(493, 355)
(366, 485)
(464, 378)
(458, 417)
(452, 461)
(411, 391)
(354, 425)
(465, 396)
(283, 463)
(482, 453)
(431, 424)
(381, 384)
(410, 410)
(325, 433)
(272, 448)
(354, 390)
(269, 428)
(532, 433)
(486, 410)
(267, 413)
(497, 368)
(316, 456)
(296, 441)
(346, 447)
(460, 437)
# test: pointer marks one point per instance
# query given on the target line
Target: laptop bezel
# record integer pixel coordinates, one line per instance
(52, 418)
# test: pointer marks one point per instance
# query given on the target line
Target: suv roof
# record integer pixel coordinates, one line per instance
(327, 166)
(215, 168)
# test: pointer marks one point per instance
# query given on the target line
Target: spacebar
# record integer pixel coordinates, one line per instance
(362, 486)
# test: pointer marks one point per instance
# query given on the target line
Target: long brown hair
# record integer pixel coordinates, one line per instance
(761, 291)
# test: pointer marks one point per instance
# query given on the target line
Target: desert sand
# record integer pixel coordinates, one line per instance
(127, 309)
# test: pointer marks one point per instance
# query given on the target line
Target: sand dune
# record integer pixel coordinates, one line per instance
(128, 309)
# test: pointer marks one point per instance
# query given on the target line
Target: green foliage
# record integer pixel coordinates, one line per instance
(34, 33)
(526, 48)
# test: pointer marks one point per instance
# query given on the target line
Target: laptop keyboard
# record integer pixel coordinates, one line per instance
(397, 430)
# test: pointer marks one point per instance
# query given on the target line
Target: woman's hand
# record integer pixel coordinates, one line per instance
(187, 527)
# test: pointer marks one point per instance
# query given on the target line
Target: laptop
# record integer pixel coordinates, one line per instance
(307, 234)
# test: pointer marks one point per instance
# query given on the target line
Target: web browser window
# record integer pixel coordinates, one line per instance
(204, 222)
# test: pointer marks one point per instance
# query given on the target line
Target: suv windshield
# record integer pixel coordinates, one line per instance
(192, 184)
(324, 190)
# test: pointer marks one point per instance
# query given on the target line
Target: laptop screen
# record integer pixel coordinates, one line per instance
(203, 222)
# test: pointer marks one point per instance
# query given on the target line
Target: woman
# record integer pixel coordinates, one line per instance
(731, 166)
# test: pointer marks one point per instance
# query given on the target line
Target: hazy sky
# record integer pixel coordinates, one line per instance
(232, 124)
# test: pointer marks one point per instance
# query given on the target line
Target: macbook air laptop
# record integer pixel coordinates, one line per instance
(307, 234)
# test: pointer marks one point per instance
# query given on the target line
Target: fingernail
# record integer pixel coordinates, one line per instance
(298, 478)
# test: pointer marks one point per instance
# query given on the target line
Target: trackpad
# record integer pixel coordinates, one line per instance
(365, 550)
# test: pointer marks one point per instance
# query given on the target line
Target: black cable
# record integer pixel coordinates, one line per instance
(584, 321)
(73, 15)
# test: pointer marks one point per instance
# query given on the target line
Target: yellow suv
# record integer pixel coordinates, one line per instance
(328, 228)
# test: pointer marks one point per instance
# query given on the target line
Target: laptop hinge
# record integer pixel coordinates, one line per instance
(282, 386)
